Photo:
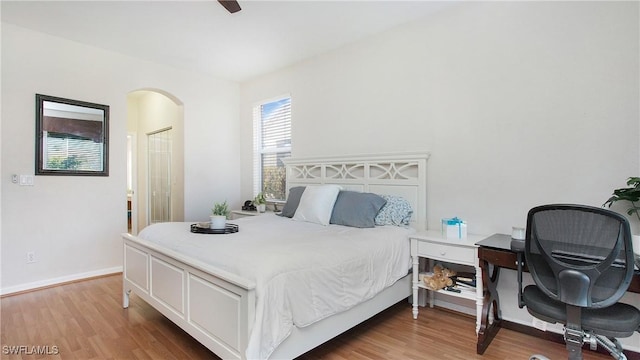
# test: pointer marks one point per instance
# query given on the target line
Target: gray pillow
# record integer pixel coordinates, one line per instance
(356, 209)
(293, 200)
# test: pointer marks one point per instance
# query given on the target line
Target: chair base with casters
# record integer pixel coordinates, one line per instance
(538, 357)
(581, 261)
(617, 321)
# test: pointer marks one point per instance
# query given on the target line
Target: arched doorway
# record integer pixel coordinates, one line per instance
(155, 158)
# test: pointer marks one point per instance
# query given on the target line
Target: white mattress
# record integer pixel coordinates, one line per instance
(303, 272)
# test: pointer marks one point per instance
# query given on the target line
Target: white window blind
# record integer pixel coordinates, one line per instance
(272, 143)
(65, 152)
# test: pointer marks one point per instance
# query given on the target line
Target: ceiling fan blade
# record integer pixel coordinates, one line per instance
(231, 5)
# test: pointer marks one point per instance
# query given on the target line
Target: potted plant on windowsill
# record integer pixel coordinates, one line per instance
(219, 215)
(632, 195)
(260, 202)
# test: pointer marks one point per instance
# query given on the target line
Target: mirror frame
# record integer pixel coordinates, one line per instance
(40, 129)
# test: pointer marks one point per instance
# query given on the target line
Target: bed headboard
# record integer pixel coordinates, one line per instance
(401, 174)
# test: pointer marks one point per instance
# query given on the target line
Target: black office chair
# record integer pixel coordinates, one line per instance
(581, 261)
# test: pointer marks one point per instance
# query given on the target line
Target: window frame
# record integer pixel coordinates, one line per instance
(70, 119)
(259, 150)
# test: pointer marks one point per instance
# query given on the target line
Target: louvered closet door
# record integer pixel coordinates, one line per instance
(159, 189)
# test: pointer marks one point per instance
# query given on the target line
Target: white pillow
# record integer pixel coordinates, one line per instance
(316, 204)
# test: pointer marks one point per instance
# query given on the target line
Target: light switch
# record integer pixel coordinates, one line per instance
(26, 180)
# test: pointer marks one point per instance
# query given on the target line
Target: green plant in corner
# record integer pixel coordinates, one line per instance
(220, 209)
(630, 194)
(259, 199)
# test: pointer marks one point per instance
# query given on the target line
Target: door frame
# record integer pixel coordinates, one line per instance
(132, 153)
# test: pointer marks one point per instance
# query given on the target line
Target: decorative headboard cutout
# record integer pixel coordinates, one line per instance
(400, 174)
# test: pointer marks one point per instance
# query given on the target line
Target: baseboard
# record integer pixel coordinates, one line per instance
(13, 290)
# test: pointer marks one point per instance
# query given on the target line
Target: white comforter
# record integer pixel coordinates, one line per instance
(303, 272)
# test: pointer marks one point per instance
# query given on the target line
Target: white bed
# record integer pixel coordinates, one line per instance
(204, 290)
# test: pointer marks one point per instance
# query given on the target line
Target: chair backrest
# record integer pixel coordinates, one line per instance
(580, 255)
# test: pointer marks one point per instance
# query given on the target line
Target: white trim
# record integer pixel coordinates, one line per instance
(273, 99)
(59, 280)
(133, 136)
(257, 140)
(406, 155)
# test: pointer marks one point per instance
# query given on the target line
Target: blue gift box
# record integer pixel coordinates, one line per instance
(454, 228)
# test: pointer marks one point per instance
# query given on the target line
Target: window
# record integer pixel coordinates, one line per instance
(271, 143)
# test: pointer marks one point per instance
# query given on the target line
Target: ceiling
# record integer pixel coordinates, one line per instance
(202, 36)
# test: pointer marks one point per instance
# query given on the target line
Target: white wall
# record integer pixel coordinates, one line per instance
(519, 103)
(74, 223)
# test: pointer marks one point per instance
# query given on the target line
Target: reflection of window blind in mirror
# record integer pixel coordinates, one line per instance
(64, 152)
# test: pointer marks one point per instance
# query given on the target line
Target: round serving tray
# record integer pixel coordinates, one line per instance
(229, 229)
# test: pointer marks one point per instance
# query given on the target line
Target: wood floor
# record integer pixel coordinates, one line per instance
(85, 320)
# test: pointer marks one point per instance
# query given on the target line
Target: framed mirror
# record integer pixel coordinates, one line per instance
(72, 137)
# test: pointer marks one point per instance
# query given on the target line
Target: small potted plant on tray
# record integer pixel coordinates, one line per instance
(260, 202)
(219, 215)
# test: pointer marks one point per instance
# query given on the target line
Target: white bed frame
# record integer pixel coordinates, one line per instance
(217, 307)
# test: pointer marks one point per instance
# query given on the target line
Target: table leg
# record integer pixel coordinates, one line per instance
(479, 297)
(416, 261)
(488, 328)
